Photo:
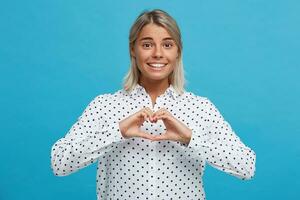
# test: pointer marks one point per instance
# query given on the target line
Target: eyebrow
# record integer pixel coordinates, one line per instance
(150, 38)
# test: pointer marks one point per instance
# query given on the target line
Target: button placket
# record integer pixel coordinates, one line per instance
(152, 157)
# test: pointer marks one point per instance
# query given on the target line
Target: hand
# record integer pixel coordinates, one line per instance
(176, 130)
(130, 126)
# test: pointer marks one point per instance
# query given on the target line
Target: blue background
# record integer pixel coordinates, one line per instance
(56, 56)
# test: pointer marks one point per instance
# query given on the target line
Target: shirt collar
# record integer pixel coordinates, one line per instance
(170, 91)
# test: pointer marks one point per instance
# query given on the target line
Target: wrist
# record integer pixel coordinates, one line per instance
(187, 138)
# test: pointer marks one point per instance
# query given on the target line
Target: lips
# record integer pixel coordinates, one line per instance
(157, 65)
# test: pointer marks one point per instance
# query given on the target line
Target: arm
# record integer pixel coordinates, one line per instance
(221, 147)
(89, 138)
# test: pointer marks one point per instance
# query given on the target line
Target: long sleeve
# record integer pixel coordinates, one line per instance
(221, 147)
(88, 139)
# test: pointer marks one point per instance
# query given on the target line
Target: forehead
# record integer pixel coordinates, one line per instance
(154, 31)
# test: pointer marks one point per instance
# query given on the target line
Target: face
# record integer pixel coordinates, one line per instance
(155, 52)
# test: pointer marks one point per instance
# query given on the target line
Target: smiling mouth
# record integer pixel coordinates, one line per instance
(157, 65)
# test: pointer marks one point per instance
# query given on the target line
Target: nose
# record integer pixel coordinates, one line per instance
(157, 52)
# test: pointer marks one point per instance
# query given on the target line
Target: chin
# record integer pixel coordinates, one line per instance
(157, 78)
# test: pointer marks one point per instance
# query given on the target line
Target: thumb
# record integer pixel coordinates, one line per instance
(145, 135)
(160, 137)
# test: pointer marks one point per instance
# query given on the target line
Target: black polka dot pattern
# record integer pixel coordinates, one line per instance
(137, 168)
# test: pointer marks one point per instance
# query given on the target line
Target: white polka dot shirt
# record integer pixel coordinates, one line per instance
(138, 168)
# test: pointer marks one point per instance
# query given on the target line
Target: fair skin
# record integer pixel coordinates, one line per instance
(154, 45)
(155, 52)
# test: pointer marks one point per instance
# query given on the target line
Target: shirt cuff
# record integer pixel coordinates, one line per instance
(117, 133)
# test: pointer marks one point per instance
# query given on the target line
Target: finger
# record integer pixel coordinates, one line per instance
(160, 137)
(158, 113)
(145, 135)
(149, 109)
(144, 113)
(161, 110)
(162, 116)
(150, 112)
(145, 116)
(157, 117)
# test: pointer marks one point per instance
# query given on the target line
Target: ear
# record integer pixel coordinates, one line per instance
(132, 53)
(178, 53)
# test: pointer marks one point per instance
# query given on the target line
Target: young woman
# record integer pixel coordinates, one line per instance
(152, 139)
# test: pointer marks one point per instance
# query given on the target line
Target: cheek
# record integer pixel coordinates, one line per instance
(142, 56)
(172, 56)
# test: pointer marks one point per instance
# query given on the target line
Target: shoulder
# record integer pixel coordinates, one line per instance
(194, 98)
(108, 98)
(202, 102)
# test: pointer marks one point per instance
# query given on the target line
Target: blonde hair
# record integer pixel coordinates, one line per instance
(161, 18)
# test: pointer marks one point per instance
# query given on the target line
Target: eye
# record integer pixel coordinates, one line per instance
(146, 45)
(168, 45)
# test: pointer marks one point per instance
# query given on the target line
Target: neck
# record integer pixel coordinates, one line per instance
(154, 88)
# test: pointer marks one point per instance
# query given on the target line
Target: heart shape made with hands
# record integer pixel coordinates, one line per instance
(175, 129)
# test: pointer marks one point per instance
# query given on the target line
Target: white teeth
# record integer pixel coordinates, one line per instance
(157, 65)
